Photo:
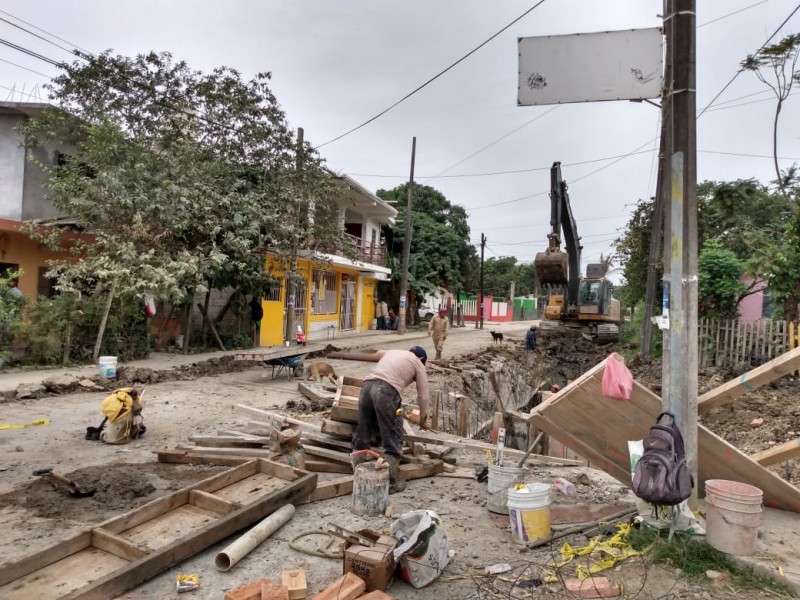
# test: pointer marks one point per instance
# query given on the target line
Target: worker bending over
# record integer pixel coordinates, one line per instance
(379, 406)
(438, 329)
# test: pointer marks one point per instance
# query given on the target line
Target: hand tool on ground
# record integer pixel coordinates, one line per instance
(530, 449)
(349, 536)
(74, 490)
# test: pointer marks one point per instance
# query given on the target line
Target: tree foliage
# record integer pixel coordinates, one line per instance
(499, 272)
(632, 250)
(440, 239)
(720, 285)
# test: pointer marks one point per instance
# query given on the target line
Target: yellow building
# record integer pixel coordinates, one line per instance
(337, 295)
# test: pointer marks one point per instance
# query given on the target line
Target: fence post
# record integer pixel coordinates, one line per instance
(463, 416)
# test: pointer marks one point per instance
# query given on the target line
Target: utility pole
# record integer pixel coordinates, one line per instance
(680, 375)
(658, 226)
(401, 317)
(483, 245)
(291, 286)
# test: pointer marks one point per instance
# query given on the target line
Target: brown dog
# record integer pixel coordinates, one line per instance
(318, 370)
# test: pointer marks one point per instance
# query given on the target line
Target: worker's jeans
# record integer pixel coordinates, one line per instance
(377, 408)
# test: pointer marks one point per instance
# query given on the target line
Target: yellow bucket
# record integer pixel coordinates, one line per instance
(529, 512)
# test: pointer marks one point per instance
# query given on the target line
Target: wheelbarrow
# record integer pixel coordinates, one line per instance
(293, 365)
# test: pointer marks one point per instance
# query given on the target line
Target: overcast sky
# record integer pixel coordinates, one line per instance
(337, 63)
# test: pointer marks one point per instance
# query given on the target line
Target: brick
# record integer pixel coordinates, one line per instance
(376, 595)
(248, 591)
(594, 587)
(295, 582)
(271, 590)
(347, 587)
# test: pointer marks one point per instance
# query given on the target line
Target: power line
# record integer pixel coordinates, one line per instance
(751, 102)
(52, 35)
(24, 50)
(736, 12)
(36, 35)
(739, 72)
(24, 67)
(434, 78)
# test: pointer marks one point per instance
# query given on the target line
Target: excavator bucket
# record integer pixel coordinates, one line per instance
(551, 267)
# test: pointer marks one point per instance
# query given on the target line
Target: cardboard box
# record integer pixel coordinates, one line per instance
(375, 565)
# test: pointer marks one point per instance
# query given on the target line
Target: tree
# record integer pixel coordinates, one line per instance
(781, 60)
(178, 176)
(632, 249)
(440, 238)
(720, 282)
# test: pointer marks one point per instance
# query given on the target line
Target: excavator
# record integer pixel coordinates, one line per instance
(587, 303)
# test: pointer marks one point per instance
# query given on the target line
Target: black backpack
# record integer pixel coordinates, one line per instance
(662, 476)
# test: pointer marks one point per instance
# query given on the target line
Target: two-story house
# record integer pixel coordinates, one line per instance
(338, 296)
(23, 197)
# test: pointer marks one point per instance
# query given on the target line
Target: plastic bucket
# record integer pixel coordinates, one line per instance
(529, 513)
(108, 366)
(500, 479)
(733, 516)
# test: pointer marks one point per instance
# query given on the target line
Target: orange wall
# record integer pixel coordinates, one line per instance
(17, 248)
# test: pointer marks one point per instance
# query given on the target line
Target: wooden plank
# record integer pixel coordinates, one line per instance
(463, 416)
(226, 478)
(208, 501)
(325, 441)
(281, 470)
(344, 415)
(362, 356)
(117, 545)
(249, 490)
(347, 402)
(199, 458)
(459, 473)
(436, 400)
(351, 390)
(333, 488)
(315, 393)
(265, 415)
(240, 452)
(420, 470)
(778, 454)
(354, 381)
(341, 457)
(151, 510)
(227, 441)
(326, 466)
(784, 365)
(13, 570)
(343, 430)
(181, 549)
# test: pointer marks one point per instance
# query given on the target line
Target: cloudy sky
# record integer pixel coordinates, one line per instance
(337, 63)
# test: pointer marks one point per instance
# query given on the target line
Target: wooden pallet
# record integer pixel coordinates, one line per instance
(119, 554)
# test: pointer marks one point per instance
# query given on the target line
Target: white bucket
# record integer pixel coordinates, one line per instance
(733, 516)
(529, 513)
(500, 479)
(108, 366)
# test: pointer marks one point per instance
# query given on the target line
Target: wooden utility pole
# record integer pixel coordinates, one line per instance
(680, 253)
(480, 304)
(401, 317)
(291, 285)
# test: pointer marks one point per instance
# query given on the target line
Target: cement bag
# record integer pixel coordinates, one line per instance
(422, 551)
(617, 379)
(679, 517)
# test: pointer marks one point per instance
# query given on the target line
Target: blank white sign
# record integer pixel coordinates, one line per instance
(587, 67)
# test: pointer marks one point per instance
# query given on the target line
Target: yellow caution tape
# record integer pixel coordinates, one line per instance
(35, 423)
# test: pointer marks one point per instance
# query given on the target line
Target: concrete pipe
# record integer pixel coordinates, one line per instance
(242, 547)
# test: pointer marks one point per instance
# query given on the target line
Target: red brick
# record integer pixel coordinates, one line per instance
(347, 587)
(248, 591)
(594, 587)
(271, 590)
(295, 582)
(376, 595)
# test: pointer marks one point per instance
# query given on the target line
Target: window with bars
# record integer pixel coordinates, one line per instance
(323, 292)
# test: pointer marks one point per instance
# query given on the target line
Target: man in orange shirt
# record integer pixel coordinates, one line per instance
(380, 406)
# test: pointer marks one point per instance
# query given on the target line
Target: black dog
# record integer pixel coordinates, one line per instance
(497, 336)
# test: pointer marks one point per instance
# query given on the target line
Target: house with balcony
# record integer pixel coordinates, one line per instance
(336, 295)
(22, 197)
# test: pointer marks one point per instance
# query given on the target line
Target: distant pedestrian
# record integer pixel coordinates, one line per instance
(438, 329)
(530, 343)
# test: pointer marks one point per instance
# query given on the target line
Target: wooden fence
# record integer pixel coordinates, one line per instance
(730, 342)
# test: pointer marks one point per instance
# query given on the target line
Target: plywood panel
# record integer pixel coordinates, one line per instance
(62, 577)
(166, 528)
(250, 489)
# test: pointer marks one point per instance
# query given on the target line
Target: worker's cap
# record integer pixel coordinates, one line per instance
(420, 353)
(533, 327)
(442, 311)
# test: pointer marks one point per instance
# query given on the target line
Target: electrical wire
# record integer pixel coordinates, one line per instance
(36, 35)
(739, 72)
(736, 12)
(24, 67)
(434, 78)
(52, 35)
(24, 50)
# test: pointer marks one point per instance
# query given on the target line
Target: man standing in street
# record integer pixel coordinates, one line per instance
(530, 344)
(380, 407)
(438, 328)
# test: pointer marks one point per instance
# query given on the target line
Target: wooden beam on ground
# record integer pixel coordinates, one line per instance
(198, 457)
(344, 414)
(338, 429)
(325, 441)
(327, 466)
(342, 457)
(333, 488)
(118, 545)
(420, 470)
(362, 356)
(228, 441)
(242, 452)
(315, 393)
(265, 415)
(778, 454)
(781, 366)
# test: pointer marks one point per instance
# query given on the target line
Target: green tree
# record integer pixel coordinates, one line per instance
(720, 285)
(632, 250)
(179, 176)
(781, 60)
(440, 237)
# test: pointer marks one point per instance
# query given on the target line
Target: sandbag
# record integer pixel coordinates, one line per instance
(422, 551)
